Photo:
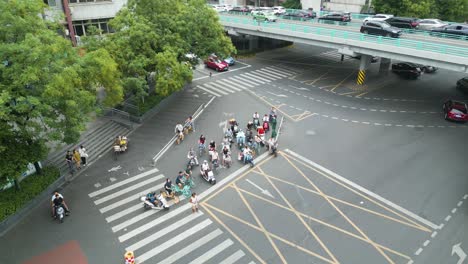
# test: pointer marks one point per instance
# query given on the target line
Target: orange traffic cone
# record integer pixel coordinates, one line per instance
(129, 257)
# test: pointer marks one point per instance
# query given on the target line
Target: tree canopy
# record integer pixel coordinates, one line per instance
(47, 89)
(450, 10)
(151, 39)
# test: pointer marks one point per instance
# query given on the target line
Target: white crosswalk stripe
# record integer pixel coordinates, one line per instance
(232, 79)
(283, 69)
(226, 87)
(212, 87)
(231, 84)
(267, 74)
(272, 73)
(276, 70)
(178, 233)
(251, 74)
(252, 78)
(241, 79)
(208, 91)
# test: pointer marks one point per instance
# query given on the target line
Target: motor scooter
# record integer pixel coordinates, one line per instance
(208, 176)
(59, 212)
(151, 201)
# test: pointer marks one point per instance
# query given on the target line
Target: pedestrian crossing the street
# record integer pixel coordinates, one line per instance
(173, 236)
(245, 81)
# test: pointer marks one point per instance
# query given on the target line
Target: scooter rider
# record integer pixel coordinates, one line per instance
(241, 138)
(168, 187)
(179, 131)
(191, 155)
(57, 200)
(180, 179)
(205, 168)
(215, 158)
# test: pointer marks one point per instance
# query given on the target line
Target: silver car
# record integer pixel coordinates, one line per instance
(429, 24)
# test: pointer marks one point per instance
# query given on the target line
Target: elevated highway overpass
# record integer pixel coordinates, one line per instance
(439, 52)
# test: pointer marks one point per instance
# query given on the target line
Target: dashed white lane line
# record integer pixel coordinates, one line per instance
(426, 243)
(367, 123)
(418, 251)
(454, 210)
(466, 196)
(448, 218)
(434, 234)
(459, 203)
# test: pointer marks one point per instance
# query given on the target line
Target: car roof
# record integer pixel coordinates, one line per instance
(410, 64)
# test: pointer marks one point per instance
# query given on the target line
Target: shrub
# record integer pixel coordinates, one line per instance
(12, 200)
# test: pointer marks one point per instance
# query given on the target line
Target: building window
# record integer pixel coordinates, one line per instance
(82, 26)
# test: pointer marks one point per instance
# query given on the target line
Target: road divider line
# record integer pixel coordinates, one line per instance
(363, 190)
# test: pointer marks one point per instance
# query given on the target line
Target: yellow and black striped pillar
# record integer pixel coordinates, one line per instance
(361, 77)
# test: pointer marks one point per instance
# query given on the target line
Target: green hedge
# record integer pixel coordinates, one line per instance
(150, 101)
(12, 200)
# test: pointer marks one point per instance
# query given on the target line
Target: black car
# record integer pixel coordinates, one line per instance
(403, 22)
(407, 69)
(454, 29)
(299, 15)
(336, 16)
(462, 85)
(380, 28)
(242, 9)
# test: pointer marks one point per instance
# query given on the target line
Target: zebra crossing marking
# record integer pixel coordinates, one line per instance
(209, 91)
(253, 78)
(169, 243)
(245, 81)
(224, 87)
(193, 246)
(209, 85)
(132, 198)
(213, 252)
(256, 75)
(234, 257)
(291, 72)
(116, 185)
(232, 79)
(239, 88)
(128, 189)
(274, 77)
(279, 71)
(233, 86)
(279, 75)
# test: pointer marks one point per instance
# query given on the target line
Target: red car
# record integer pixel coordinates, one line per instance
(214, 63)
(455, 110)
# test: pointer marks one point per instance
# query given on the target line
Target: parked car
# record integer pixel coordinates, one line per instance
(373, 59)
(462, 84)
(308, 13)
(455, 111)
(242, 9)
(457, 30)
(429, 24)
(278, 10)
(380, 28)
(407, 69)
(230, 61)
(214, 63)
(378, 17)
(265, 16)
(403, 22)
(299, 15)
(428, 68)
(336, 16)
(256, 10)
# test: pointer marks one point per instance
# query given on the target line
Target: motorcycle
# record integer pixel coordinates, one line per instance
(208, 176)
(153, 201)
(59, 212)
(227, 160)
(192, 162)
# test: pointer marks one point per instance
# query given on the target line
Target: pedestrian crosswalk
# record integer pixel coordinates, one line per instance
(174, 236)
(245, 81)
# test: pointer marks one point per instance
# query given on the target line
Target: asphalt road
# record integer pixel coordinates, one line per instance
(366, 174)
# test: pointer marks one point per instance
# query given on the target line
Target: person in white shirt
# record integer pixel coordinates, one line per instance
(194, 201)
(83, 155)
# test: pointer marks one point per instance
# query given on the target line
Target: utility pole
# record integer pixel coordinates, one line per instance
(71, 30)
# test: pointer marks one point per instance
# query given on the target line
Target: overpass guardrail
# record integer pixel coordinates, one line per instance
(392, 42)
(425, 33)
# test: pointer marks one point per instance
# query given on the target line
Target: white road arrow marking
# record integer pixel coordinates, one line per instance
(456, 249)
(264, 191)
(279, 95)
(115, 168)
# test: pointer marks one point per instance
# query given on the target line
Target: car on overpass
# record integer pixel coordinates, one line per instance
(240, 9)
(454, 30)
(380, 28)
(455, 111)
(407, 69)
(462, 85)
(378, 17)
(336, 16)
(265, 16)
(299, 15)
(214, 63)
(432, 23)
(278, 10)
(403, 22)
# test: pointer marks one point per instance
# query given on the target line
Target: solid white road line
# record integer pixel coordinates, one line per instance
(208, 91)
(121, 183)
(161, 232)
(132, 198)
(224, 83)
(253, 78)
(260, 76)
(212, 252)
(364, 190)
(208, 85)
(240, 82)
(234, 257)
(223, 87)
(155, 251)
(244, 80)
(265, 73)
(231, 84)
(128, 189)
(193, 246)
(280, 74)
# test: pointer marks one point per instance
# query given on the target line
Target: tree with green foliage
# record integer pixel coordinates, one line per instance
(450, 10)
(151, 39)
(47, 89)
(292, 4)
(453, 10)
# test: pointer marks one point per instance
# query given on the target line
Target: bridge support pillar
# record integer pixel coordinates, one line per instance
(365, 62)
(384, 65)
